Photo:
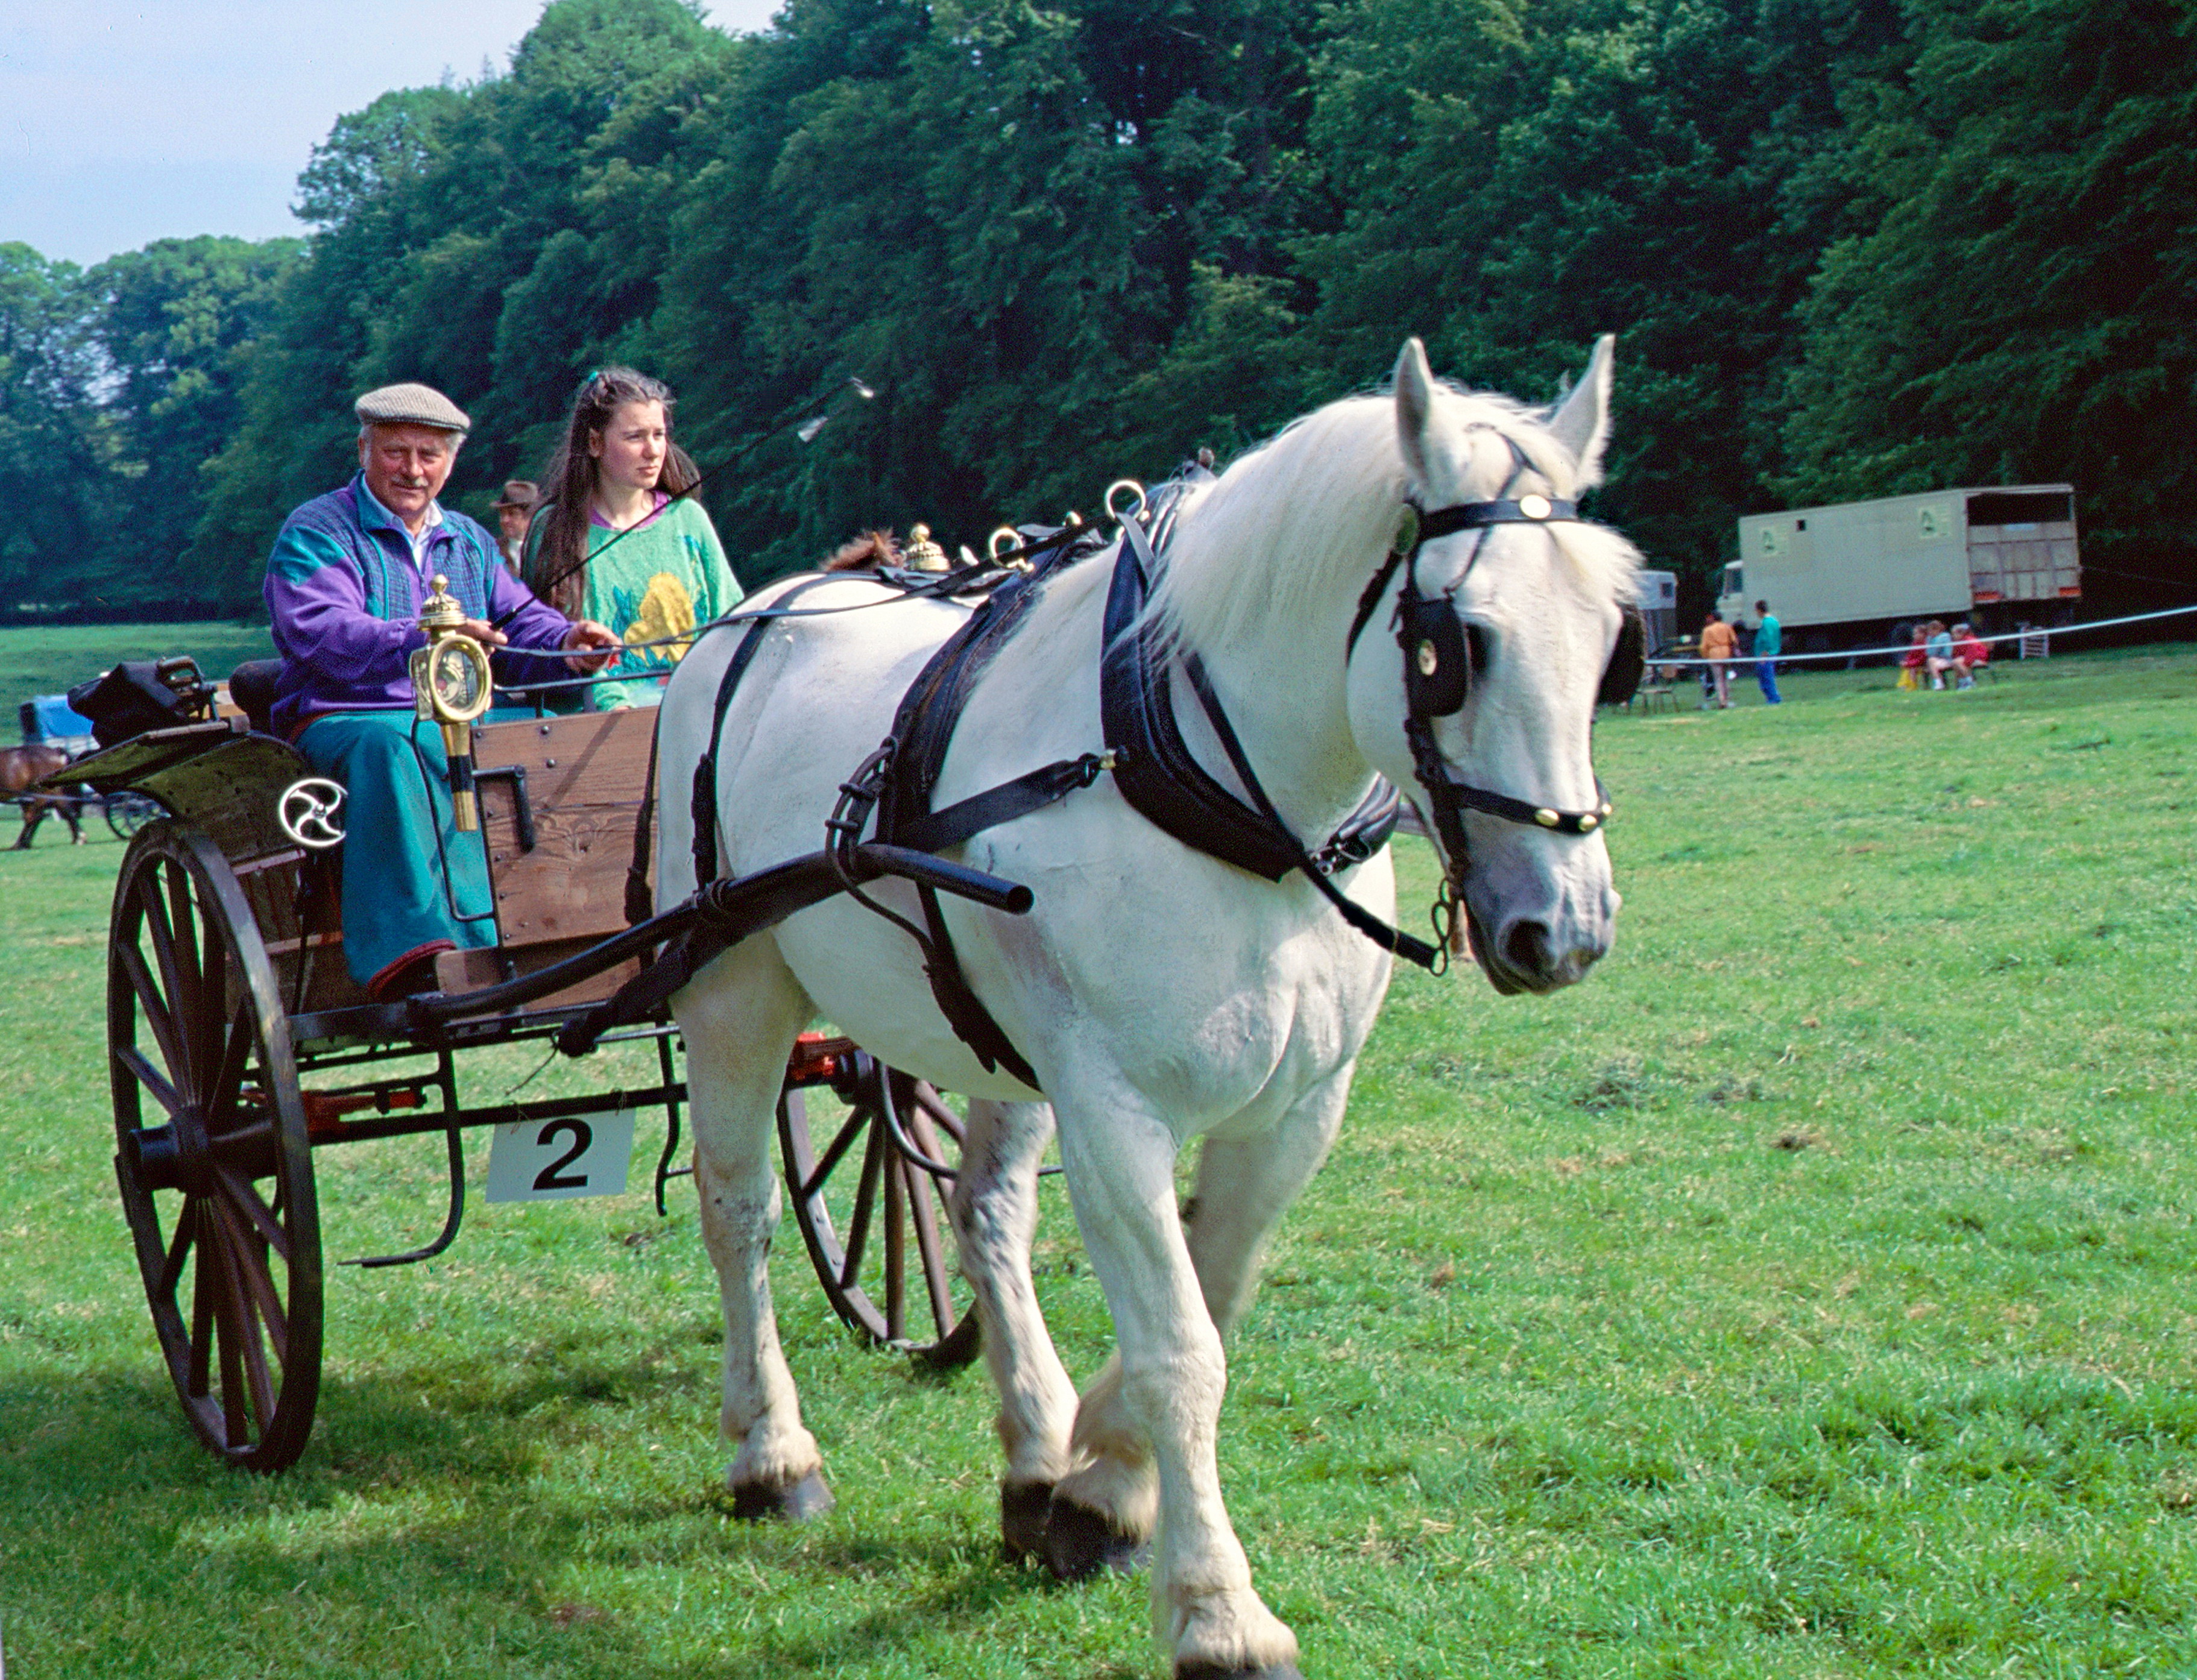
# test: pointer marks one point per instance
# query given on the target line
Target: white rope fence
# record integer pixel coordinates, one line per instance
(1783, 658)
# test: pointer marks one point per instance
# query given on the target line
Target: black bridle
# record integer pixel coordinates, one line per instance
(1437, 654)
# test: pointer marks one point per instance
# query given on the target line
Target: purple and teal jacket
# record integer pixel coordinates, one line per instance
(345, 597)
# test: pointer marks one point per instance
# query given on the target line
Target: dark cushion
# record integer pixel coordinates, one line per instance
(252, 686)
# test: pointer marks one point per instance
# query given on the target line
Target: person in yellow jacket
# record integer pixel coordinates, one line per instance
(1719, 645)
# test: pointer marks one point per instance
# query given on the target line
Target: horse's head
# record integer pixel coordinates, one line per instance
(1507, 617)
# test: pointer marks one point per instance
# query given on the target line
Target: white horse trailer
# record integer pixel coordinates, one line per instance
(1850, 573)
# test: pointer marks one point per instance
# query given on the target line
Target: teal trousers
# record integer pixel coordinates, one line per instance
(412, 883)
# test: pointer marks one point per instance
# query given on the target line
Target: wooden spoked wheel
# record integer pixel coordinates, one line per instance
(875, 1221)
(211, 1153)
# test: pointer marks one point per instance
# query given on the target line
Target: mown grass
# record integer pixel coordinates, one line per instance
(53, 658)
(1808, 1294)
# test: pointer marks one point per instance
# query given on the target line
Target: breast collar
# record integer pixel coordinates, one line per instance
(1163, 779)
(1163, 782)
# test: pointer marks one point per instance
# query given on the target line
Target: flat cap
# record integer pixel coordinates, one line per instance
(411, 405)
(519, 493)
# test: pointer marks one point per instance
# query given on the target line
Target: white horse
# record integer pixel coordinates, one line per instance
(1159, 995)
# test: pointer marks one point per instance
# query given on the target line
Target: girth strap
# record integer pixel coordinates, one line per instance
(923, 729)
(907, 768)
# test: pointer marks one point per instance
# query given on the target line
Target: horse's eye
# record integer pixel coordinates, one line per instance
(1476, 648)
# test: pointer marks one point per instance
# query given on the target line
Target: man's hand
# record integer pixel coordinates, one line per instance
(589, 633)
(483, 632)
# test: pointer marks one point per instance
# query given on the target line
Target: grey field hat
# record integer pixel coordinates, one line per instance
(412, 405)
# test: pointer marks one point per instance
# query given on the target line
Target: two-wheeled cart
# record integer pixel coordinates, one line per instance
(239, 1047)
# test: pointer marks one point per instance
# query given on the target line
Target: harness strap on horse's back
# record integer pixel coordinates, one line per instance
(703, 803)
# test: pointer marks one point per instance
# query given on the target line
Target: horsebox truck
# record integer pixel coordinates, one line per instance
(1862, 574)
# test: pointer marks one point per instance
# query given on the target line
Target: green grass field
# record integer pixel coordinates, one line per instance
(53, 658)
(1808, 1294)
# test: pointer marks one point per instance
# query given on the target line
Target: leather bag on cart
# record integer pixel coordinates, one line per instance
(140, 695)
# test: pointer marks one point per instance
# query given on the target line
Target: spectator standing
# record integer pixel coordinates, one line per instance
(1769, 643)
(620, 539)
(514, 510)
(1719, 645)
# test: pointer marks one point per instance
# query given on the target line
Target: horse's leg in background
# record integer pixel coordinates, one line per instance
(73, 813)
(994, 1207)
(740, 1018)
(1167, 1384)
(34, 812)
(1244, 1188)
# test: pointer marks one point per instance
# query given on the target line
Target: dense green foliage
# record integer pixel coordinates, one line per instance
(1851, 247)
(1804, 1295)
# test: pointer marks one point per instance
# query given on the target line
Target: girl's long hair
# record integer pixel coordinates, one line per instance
(557, 569)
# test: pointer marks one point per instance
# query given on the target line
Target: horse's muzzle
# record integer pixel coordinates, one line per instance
(1523, 954)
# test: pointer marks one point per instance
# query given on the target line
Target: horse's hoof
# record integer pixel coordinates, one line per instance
(1209, 1671)
(798, 1500)
(1021, 1519)
(1078, 1543)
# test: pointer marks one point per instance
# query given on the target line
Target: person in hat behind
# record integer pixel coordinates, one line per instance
(345, 582)
(621, 539)
(514, 510)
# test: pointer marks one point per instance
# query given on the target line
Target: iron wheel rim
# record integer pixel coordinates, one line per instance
(212, 1158)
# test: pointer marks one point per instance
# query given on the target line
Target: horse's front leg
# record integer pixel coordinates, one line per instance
(994, 1209)
(739, 1019)
(1161, 1397)
(1244, 1186)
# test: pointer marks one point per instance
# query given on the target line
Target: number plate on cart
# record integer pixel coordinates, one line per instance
(561, 1160)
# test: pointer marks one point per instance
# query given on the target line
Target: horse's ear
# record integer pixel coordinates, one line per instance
(1415, 402)
(1580, 422)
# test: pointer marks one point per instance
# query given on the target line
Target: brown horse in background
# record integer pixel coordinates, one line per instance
(21, 768)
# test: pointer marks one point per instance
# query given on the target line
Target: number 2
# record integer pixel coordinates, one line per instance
(553, 1176)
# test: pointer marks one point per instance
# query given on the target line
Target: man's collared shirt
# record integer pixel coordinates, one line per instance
(417, 539)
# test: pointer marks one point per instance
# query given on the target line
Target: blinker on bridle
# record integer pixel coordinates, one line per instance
(1438, 662)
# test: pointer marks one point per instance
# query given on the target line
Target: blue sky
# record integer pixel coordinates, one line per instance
(122, 123)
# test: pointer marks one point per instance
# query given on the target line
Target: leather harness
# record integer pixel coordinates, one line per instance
(1151, 763)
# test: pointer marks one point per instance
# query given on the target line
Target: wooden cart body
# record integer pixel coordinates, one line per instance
(239, 1045)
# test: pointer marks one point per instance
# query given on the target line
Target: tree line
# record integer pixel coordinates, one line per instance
(1005, 254)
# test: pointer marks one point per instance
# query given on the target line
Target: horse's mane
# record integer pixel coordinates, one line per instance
(1317, 505)
(865, 552)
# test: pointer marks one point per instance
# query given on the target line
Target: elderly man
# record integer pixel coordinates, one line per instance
(345, 587)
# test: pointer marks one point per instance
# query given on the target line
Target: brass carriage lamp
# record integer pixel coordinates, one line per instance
(452, 685)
